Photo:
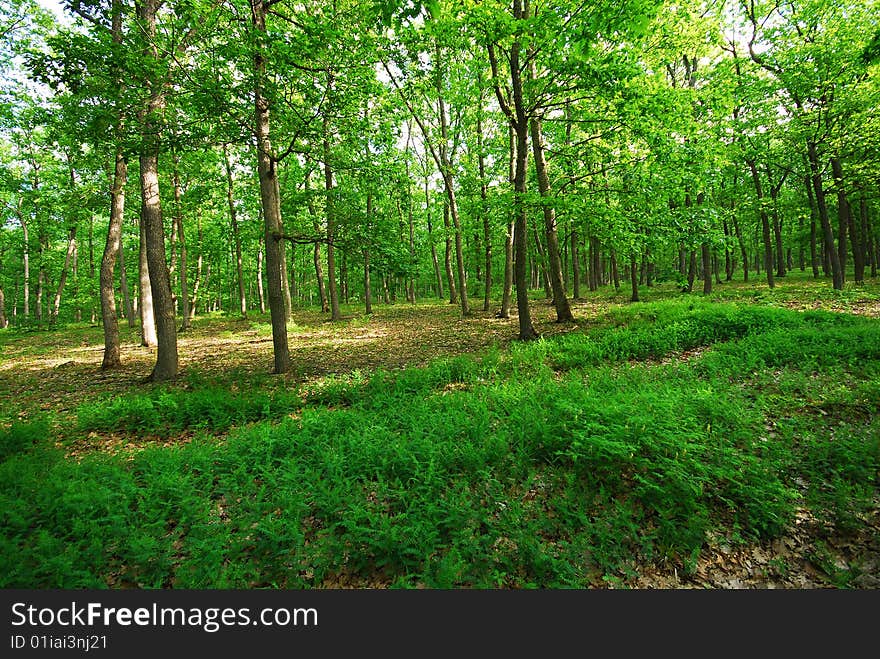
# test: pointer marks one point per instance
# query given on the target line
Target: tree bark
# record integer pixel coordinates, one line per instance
(827, 234)
(270, 201)
(26, 264)
(519, 122)
(554, 264)
(260, 291)
(434, 260)
(847, 221)
(484, 212)
(450, 277)
(186, 322)
(145, 293)
(71, 249)
(151, 208)
(706, 257)
(236, 235)
(765, 223)
(331, 224)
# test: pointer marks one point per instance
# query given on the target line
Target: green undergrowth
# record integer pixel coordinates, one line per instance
(166, 411)
(568, 462)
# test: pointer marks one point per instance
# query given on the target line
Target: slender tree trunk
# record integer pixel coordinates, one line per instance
(199, 262)
(765, 224)
(26, 265)
(828, 236)
(691, 270)
(4, 321)
(728, 260)
(270, 201)
(316, 252)
(519, 121)
(368, 291)
(145, 293)
(285, 281)
(634, 278)
(319, 275)
(776, 225)
(542, 260)
(560, 301)
(260, 291)
(615, 277)
(185, 313)
(706, 257)
(434, 260)
(844, 216)
(504, 312)
(814, 257)
(71, 249)
(411, 281)
(236, 235)
(452, 208)
(450, 278)
(867, 239)
(127, 301)
(331, 223)
(484, 212)
(847, 220)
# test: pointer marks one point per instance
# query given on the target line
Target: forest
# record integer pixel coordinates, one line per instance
(476, 294)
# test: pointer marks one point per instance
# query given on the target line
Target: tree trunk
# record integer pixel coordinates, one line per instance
(434, 260)
(504, 312)
(127, 301)
(847, 219)
(560, 301)
(199, 261)
(260, 291)
(151, 209)
(828, 235)
(112, 251)
(160, 285)
(814, 256)
(71, 249)
(615, 277)
(542, 259)
(776, 225)
(867, 238)
(633, 278)
(706, 257)
(450, 278)
(691, 270)
(331, 221)
(484, 212)
(368, 291)
(186, 322)
(765, 224)
(519, 122)
(270, 201)
(236, 235)
(26, 265)
(145, 293)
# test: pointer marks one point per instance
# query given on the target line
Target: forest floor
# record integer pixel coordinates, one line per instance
(54, 372)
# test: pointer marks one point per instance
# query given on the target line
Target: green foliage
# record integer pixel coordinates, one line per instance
(167, 410)
(564, 463)
(22, 436)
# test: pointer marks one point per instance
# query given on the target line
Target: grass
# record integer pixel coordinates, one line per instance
(587, 459)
